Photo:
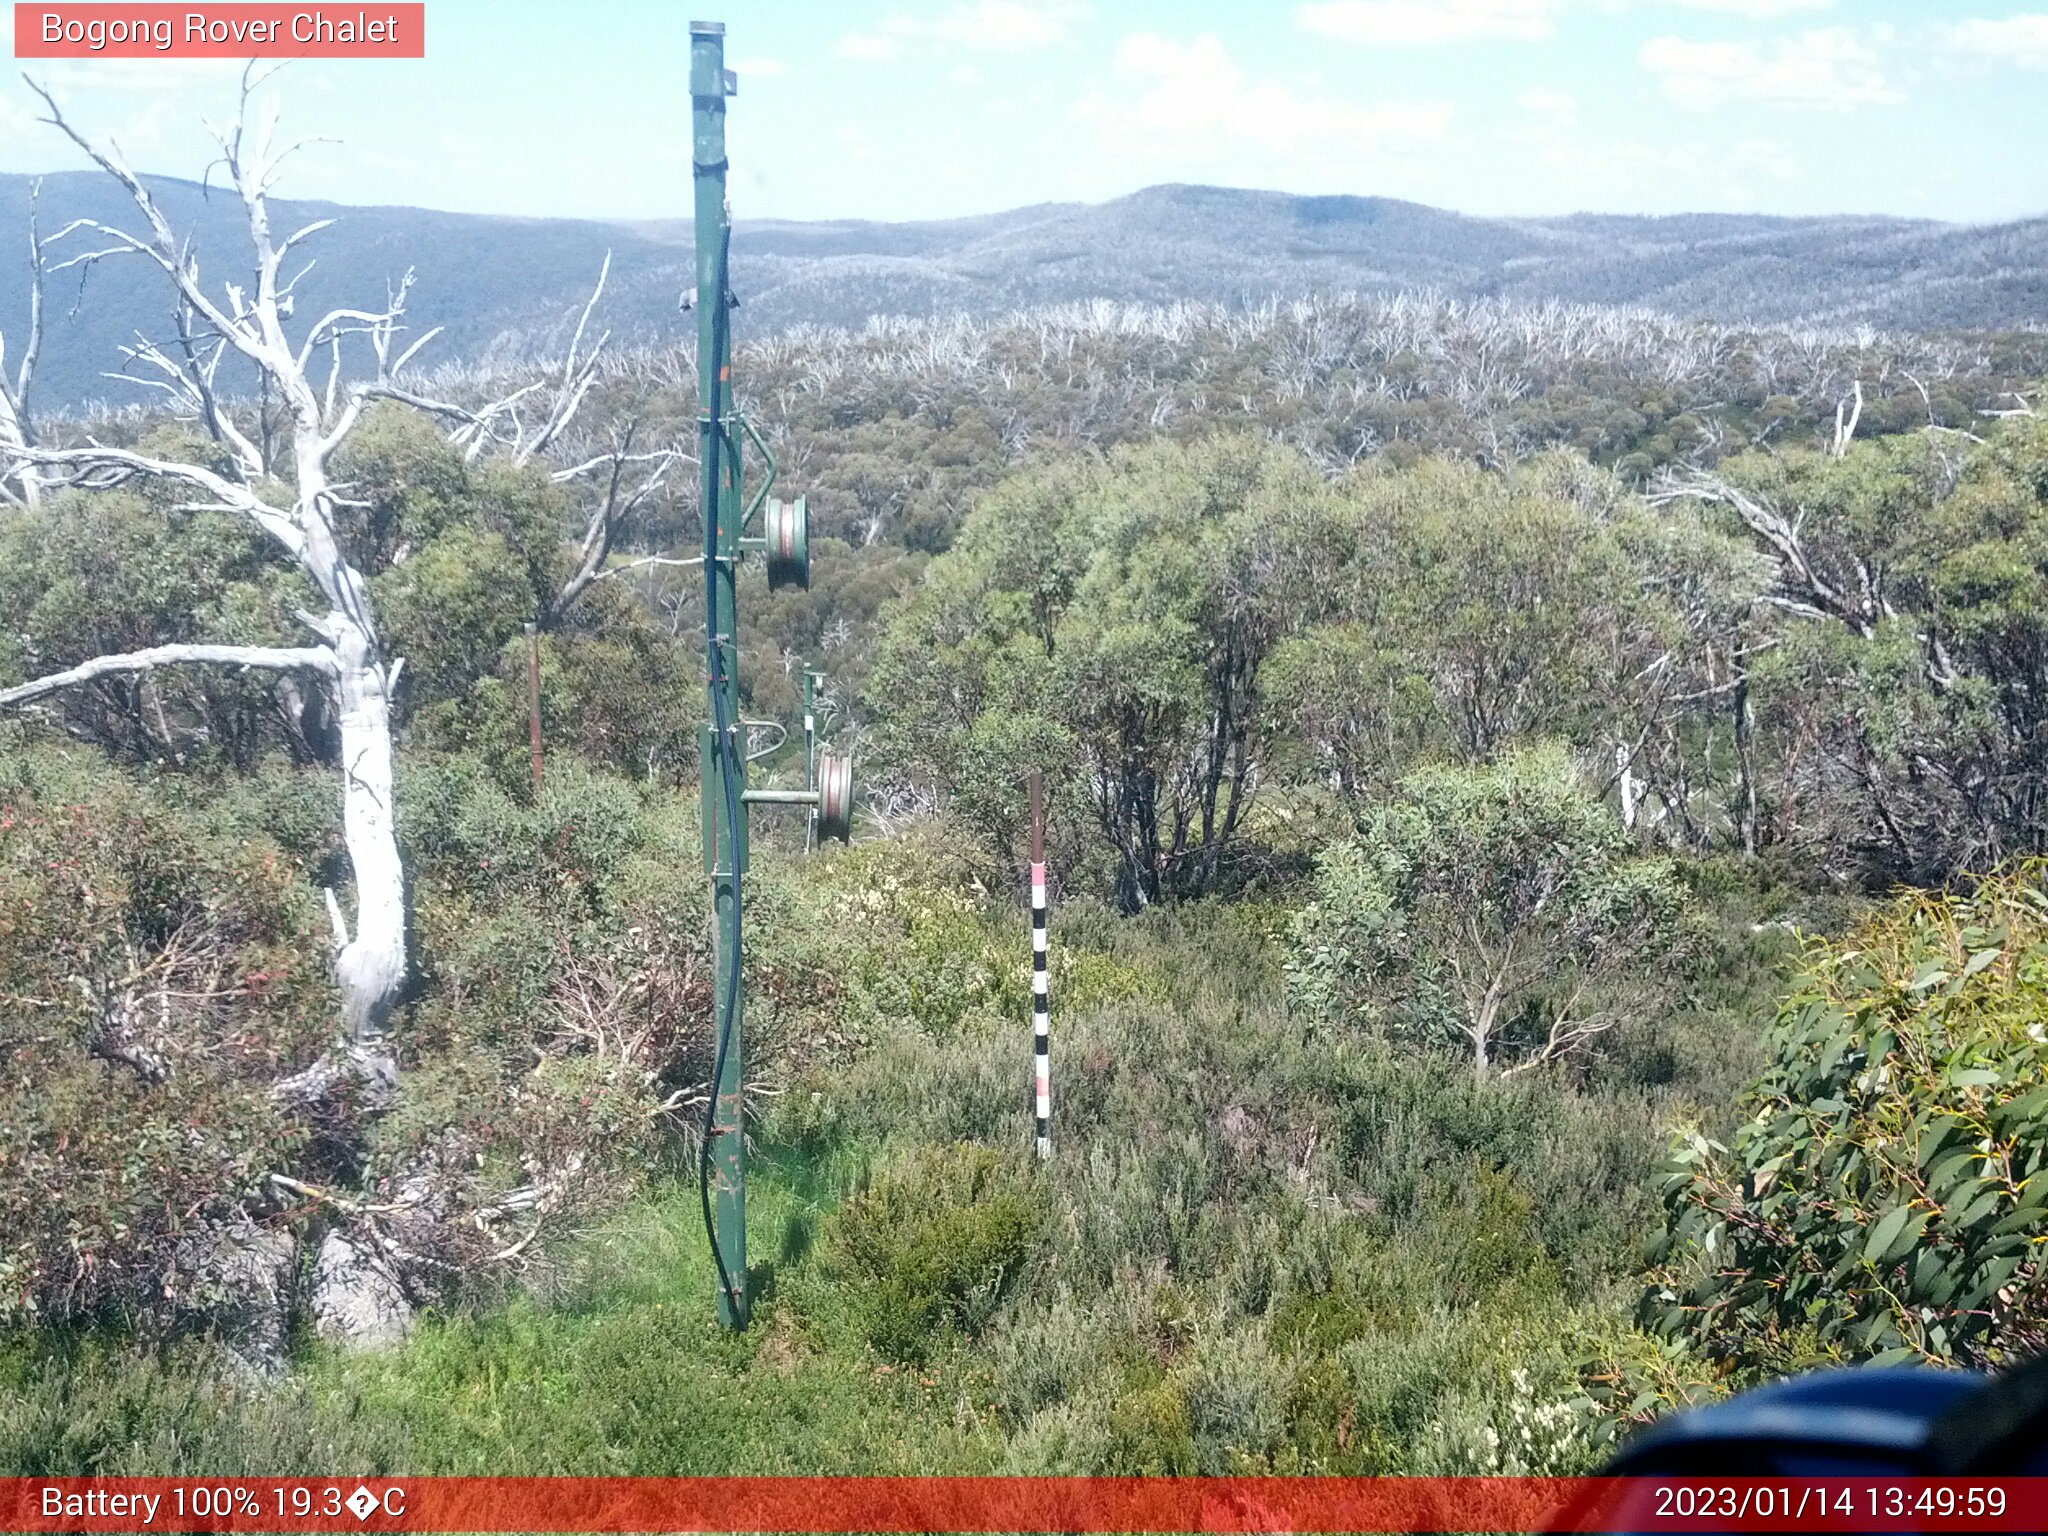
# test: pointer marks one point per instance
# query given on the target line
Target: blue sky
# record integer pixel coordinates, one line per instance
(898, 109)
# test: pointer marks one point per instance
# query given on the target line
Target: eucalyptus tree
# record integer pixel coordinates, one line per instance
(1107, 621)
(1498, 910)
(1908, 699)
(285, 489)
(281, 494)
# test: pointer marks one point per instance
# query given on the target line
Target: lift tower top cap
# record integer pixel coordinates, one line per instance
(707, 29)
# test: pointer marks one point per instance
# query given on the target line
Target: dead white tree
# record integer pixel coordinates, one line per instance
(506, 423)
(1835, 583)
(293, 503)
(292, 436)
(533, 421)
(1806, 586)
(625, 481)
(1848, 412)
(19, 485)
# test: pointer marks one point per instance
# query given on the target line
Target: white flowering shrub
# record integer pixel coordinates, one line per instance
(1524, 1433)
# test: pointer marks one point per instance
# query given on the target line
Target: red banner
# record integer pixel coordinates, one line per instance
(359, 31)
(1164, 1504)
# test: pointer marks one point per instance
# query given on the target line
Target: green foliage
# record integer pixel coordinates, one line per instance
(1150, 1432)
(622, 1370)
(904, 933)
(1261, 1246)
(1884, 1198)
(465, 556)
(564, 978)
(1175, 624)
(1349, 702)
(154, 973)
(1255, 1250)
(1104, 622)
(412, 486)
(618, 689)
(453, 606)
(937, 1239)
(1920, 681)
(165, 961)
(87, 575)
(1513, 596)
(1501, 910)
(83, 1407)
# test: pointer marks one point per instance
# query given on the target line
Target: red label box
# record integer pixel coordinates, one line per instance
(263, 31)
(1227, 1506)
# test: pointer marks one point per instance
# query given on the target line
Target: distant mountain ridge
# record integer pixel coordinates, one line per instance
(504, 287)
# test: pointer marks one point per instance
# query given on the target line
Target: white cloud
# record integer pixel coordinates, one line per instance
(2021, 40)
(153, 112)
(1755, 10)
(868, 47)
(154, 76)
(1394, 23)
(999, 24)
(1558, 106)
(1667, 175)
(1191, 112)
(16, 121)
(1832, 68)
(1766, 157)
(983, 25)
(1391, 23)
(858, 145)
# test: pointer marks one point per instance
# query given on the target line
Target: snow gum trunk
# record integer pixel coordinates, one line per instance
(371, 966)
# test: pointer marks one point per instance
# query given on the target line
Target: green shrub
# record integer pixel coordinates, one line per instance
(154, 978)
(85, 575)
(1518, 1429)
(938, 1238)
(1237, 1392)
(1151, 1432)
(1887, 1194)
(1501, 911)
(102, 1409)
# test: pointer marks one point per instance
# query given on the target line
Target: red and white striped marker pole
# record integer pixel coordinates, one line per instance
(1041, 984)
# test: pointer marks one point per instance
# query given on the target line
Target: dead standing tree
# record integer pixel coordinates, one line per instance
(278, 448)
(292, 500)
(618, 480)
(18, 483)
(296, 449)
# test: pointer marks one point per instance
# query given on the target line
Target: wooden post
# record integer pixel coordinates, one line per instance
(533, 700)
(1041, 984)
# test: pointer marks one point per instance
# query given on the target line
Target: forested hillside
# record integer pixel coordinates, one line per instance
(1545, 816)
(508, 289)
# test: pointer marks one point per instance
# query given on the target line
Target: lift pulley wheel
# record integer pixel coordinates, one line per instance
(835, 797)
(786, 529)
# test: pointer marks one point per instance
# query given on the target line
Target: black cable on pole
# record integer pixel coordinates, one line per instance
(715, 661)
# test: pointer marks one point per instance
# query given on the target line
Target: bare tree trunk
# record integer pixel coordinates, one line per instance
(337, 695)
(14, 434)
(1624, 775)
(17, 428)
(371, 966)
(1746, 786)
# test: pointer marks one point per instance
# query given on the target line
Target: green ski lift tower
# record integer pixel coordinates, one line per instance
(723, 432)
